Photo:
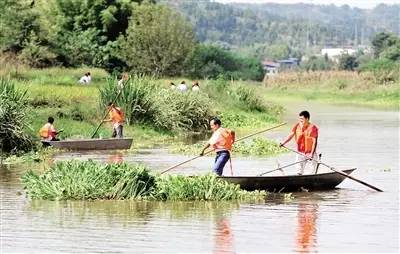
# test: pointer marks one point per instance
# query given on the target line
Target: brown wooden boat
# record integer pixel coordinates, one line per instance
(288, 183)
(92, 144)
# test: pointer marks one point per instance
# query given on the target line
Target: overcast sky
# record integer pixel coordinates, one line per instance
(364, 4)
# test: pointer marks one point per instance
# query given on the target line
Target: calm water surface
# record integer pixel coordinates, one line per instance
(351, 218)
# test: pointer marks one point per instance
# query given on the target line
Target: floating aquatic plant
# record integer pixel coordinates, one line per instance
(90, 180)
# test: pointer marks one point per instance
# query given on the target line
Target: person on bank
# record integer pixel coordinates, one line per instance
(117, 119)
(221, 141)
(195, 86)
(182, 87)
(86, 79)
(48, 132)
(306, 138)
(122, 81)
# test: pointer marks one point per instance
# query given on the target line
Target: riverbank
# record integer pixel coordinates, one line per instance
(334, 87)
(77, 108)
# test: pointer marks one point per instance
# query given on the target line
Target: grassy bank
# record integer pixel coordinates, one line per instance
(78, 108)
(340, 87)
(243, 106)
(79, 180)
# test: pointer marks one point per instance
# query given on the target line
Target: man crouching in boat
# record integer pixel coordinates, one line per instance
(221, 141)
(306, 137)
(48, 132)
(117, 119)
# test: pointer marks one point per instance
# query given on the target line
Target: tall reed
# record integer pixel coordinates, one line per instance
(13, 118)
(144, 101)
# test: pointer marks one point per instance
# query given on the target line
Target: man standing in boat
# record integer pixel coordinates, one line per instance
(117, 119)
(221, 141)
(306, 137)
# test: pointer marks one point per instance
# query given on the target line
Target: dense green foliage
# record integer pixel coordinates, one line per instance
(316, 63)
(278, 30)
(13, 118)
(157, 41)
(386, 64)
(77, 180)
(209, 61)
(144, 101)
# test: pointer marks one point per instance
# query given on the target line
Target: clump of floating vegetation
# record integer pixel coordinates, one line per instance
(77, 180)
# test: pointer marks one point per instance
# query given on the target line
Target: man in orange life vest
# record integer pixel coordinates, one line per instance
(306, 137)
(221, 141)
(117, 119)
(48, 132)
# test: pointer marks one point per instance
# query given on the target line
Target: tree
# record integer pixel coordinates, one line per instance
(348, 62)
(85, 32)
(382, 41)
(17, 21)
(318, 63)
(158, 41)
(209, 61)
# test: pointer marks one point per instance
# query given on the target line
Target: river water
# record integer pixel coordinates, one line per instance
(352, 218)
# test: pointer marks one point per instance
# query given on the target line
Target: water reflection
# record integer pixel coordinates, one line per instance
(116, 157)
(306, 236)
(132, 211)
(224, 237)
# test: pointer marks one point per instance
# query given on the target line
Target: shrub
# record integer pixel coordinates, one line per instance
(249, 99)
(384, 70)
(143, 101)
(13, 118)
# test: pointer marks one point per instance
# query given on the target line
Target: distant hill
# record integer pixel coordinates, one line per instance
(299, 26)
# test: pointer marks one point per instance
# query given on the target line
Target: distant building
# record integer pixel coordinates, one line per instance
(289, 64)
(335, 53)
(271, 68)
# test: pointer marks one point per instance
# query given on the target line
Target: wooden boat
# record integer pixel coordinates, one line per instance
(92, 144)
(322, 181)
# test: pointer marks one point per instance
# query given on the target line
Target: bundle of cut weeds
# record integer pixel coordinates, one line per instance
(90, 180)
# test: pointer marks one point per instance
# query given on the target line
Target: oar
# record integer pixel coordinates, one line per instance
(291, 164)
(240, 139)
(106, 114)
(337, 171)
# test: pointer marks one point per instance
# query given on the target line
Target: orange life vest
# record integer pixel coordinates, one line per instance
(225, 140)
(44, 131)
(47, 131)
(305, 137)
(117, 116)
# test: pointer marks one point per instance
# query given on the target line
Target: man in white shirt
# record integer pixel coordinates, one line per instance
(182, 86)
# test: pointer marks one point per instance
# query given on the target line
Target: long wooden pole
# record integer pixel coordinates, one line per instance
(105, 115)
(240, 139)
(291, 164)
(337, 171)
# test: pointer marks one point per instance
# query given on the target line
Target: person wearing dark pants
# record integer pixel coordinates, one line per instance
(221, 141)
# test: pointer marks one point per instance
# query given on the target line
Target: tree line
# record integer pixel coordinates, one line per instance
(278, 31)
(139, 36)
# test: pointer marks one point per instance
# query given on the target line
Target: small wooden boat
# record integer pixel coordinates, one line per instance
(92, 144)
(322, 181)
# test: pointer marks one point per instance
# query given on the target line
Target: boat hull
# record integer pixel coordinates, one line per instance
(92, 144)
(291, 183)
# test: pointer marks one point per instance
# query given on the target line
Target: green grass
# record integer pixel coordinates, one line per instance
(76, 108)
(333, 87)
(80, 180)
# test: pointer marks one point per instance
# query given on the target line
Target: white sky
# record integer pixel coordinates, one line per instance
(364, 4)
